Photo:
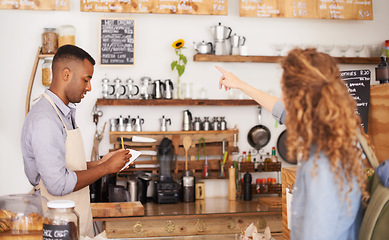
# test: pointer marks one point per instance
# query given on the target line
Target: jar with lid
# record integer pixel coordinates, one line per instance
(67, 35)
(61, 221)
(258, 185)
(264, 187)
(49, 40)
(46, 71)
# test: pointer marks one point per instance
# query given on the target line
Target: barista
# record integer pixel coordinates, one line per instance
(52, 147)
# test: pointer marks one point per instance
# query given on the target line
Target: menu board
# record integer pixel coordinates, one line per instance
(35, 4)
(117, 45)
(358, 85)
(327, 9)
(200, 7)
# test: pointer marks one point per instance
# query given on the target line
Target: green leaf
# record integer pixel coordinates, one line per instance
(173, 65)
(180, 69)
(183, 58)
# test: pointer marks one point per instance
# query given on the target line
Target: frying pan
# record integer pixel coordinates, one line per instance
(282, 149)
(258, 135)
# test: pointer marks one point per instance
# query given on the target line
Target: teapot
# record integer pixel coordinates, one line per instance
(203, 47)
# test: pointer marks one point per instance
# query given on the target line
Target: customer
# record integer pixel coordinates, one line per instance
(321, 123)
(52, 147)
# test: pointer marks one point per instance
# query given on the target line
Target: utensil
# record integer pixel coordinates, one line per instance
(168, 89)
(282, 149)
(138, 124)
(186, 142)
(164, 122)
(176, 144)
(259, 135)
(203, 47)
(187, 122)
(137, 139)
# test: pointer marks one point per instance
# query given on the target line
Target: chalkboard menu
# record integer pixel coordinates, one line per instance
(358, 85)
(35, 5)
(198, 7)
(327, 9)
(117, 45)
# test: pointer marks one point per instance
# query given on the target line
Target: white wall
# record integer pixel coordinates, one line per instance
(20, 36)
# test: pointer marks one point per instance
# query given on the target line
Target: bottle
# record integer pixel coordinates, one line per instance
(231, 184)
(244, 157)
(247, 194)
(61, 218)
(66, 35)
(267, 160)
(49, 40)
(249, 157)
(274, 158)
(46, 71)
(255, 165)
(258, 185)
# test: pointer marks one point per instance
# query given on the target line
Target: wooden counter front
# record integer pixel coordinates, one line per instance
(203, 217)
(288, 179)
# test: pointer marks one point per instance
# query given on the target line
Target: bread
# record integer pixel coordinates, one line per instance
(12, 221)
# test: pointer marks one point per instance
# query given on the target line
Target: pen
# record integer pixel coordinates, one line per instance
(122, 143)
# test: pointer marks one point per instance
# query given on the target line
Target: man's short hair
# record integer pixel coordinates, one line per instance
(71, 52)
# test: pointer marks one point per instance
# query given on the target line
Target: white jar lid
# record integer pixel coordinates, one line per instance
(61, 204)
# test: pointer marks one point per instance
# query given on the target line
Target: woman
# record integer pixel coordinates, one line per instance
(321, 123)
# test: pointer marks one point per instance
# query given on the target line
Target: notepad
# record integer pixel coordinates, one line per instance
(135, 154)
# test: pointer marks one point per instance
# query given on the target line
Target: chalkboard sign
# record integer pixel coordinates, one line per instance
(194, 7)
(117, 45)
(327, 9)
(358, 85)
(35, 5)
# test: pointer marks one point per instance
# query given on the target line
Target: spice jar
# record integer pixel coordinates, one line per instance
(46, 71)
(61, 221)
(67, 35)
(49, 40)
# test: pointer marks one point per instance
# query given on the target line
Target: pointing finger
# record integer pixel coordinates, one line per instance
(221, 69)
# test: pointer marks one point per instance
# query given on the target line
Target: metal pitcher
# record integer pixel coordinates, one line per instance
(187, 121)
(168, 89)
(137, 122)
(164, 123)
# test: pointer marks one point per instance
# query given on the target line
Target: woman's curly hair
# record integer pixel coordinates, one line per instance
(321, 113)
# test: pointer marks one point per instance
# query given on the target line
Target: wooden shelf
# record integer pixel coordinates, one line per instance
(176, 102)
(276, 59)
(42, 56)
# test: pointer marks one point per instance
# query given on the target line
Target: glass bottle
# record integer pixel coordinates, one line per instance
(61, 220)
(49, 40)
(46, 71)
(274, 158)
(249, 157)
(67, 35)
(244, 157)
(267, 160)
(258, 185)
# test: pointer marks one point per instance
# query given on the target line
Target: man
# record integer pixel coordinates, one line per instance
(52, 147)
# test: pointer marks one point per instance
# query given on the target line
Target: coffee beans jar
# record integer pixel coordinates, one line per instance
(61, 221)
(46, 71)
(49, 40)
(67, 35)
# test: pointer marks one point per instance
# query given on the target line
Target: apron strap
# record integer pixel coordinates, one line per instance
(56, 109)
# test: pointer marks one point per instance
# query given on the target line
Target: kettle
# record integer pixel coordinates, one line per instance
(203, 47)
(221, 32)
(164, 123)
(168, 89)
(187, 122)
(137, 122)
(157, 89)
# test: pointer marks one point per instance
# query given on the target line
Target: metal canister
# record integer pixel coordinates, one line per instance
(223, 123)
(132, 189)
(197, 124)
(113, 123)
(215, 123)
(206, 124)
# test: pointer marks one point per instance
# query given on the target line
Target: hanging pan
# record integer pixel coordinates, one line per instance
(282, 149)
(259, 135)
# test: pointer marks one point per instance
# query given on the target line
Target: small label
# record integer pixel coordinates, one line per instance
(56, 232)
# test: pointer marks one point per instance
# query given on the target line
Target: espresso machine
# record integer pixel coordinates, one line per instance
(165, 189)
(221, 34)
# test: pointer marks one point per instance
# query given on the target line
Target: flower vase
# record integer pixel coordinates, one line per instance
(178, 89)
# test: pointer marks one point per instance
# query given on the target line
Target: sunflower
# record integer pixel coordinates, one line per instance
(178, 44)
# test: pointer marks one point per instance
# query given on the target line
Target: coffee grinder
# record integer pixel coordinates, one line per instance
(165, 189)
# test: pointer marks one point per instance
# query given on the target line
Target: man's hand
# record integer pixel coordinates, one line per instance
(117, 160)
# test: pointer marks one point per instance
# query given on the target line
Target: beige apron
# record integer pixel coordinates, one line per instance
(75, 160)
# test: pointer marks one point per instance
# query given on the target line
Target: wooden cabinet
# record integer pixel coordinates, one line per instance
(211, 216)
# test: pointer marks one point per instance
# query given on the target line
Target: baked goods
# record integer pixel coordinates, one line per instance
(15, 222)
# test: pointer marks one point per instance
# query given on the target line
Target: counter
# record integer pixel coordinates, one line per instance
(204, 217)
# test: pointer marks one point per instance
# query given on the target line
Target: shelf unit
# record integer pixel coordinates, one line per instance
(38, 57)
(276, 59)
(176, 102)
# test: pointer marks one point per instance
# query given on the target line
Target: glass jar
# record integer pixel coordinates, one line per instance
(46, 71)
(49, 40)
(67, 35)
(61, 221)
(21, 214)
